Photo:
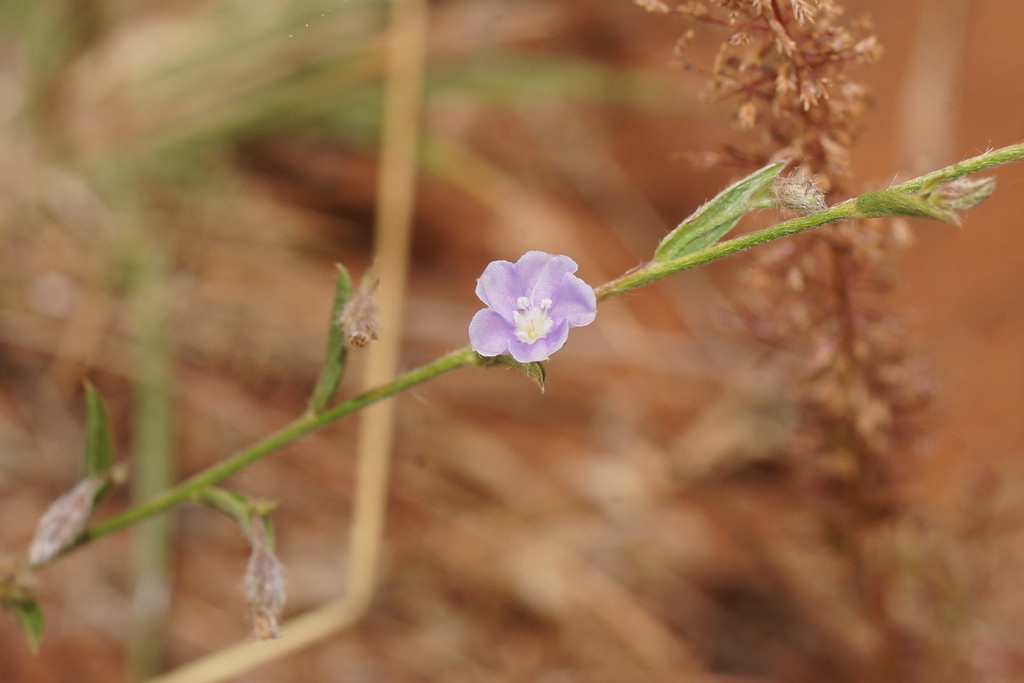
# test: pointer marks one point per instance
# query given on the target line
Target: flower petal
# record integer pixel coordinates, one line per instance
(542, 273)
(542, 348)
(575, 302)
(499, 287)
(489, 333)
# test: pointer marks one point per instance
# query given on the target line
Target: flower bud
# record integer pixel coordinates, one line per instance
(64, 521)
(360, 319)
(797, 193)
(966, 193)
(264, 586)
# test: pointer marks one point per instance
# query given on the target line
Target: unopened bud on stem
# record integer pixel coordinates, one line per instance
(264, 585)
(797, 193)
(966, 193)
(64, 520)
(360, 319)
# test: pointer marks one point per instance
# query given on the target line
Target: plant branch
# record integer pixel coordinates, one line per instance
(295, 430)
(846, 210)
(655, 271)
(647, 274)
(976, 164)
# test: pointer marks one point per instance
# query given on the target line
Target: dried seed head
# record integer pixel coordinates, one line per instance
(360, 320)
(694, 9)
(683, 41)
(869, 49)
(64, 520)
(264, 586)
(803, 11)
(747, 115)
(653, 6)
(740, 38)
(790, 58)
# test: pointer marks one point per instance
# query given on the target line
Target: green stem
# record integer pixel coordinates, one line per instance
(655, 271)
(843, 211)
(465, 356)
(966, 167)
(299, 428)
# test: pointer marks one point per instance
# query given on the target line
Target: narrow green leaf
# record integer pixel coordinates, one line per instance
(337, 350)
(895, 203)
(99, 442)
(30, 618)
(717, 216)
(535, 370)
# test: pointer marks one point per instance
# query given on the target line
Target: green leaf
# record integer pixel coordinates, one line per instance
(714, 218)
(895, 203)
(29, 616)
(337, 349)
(535, 370)
(99, 448)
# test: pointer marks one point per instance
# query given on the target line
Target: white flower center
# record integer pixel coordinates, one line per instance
(532, 321)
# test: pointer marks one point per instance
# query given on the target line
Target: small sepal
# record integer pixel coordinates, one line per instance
(534, 370)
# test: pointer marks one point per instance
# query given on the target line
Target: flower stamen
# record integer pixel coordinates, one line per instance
(532, 321)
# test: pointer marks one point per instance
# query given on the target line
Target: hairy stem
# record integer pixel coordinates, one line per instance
(293, 431)
(465, 356)
(966, 167)
(655, 271)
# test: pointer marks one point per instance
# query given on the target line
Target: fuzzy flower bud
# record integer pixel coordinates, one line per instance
(264, 586)
(797, 193)
(64, 520)
(966, 193)
(360, 320)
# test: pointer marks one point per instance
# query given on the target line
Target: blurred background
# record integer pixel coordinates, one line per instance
(179, 178)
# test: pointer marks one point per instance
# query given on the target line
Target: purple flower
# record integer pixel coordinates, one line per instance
(531, 305)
